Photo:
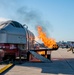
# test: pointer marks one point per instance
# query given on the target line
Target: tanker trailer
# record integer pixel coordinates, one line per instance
(14, 36)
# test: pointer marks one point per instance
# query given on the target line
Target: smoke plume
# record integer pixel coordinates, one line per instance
(33, 19)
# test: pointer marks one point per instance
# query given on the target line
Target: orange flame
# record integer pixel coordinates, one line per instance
(48, 42)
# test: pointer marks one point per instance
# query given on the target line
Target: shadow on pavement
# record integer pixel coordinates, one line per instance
(60, 66)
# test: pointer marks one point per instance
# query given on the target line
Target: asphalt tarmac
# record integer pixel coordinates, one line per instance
(62, 64)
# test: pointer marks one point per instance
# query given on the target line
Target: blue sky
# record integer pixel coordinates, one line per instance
(56, 16)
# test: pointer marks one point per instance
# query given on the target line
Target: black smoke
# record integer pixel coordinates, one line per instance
(33, 19)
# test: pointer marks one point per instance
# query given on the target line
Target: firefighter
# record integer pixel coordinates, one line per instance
(71, 48)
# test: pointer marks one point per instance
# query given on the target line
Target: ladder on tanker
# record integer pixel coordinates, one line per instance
(40, 57)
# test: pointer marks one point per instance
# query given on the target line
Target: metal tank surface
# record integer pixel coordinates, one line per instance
(14, 32)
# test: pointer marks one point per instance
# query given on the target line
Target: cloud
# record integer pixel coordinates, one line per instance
(3, 19)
